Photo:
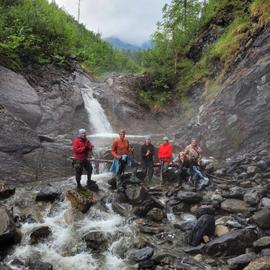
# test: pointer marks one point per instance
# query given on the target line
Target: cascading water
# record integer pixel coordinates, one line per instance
(96, 114)
(65, 249)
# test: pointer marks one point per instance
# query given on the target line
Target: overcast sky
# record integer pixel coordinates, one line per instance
(132, 21)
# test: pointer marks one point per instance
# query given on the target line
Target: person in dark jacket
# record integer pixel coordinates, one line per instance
(147, 154)
(184, 166)
(82, 150)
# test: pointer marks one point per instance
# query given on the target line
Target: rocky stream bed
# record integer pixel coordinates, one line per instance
(51, 225)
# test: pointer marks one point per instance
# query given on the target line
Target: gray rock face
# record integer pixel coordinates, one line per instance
(19, 97)
(237, 118)
(16, 135)
(7, 227)
(263, 242)
(262, 218)
(232, 243)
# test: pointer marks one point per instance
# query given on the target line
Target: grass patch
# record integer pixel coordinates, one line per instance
(156, 102)
(261, 9)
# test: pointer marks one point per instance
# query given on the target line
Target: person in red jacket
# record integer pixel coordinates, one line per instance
(165, 154)
(82, 149)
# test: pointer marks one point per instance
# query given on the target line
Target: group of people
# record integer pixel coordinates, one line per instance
(188, 161)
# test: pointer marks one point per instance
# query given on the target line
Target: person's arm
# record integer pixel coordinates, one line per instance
(114, 150)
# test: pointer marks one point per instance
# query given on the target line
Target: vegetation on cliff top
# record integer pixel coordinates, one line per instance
(197, 43)
(39, 32)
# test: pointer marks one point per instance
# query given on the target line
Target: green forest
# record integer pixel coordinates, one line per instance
(171, 64)
(34, 31)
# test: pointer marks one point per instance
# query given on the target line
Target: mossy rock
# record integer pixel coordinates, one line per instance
(81, 199)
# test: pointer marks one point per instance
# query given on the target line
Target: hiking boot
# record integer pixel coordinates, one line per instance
(92, 185)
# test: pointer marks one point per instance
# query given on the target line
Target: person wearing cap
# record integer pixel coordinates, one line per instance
(120, 151)
(147, 154)
(82, 149)
(165, 153)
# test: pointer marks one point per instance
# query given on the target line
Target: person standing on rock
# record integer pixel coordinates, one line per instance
(82, 150)
(194, 154)
(147, 154)
(120, 151)
(165, 156)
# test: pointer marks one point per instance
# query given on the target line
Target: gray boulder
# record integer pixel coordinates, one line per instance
(262, 218)
(7, 227)
(19, 97)
(232, 243)
(239, 262)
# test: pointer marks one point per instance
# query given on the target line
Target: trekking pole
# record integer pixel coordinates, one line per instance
(161, 172)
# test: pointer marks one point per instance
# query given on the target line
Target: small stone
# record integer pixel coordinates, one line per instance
(265, 252)
(155, 214)
(263, 242)
(262, 218)
(246, 184)
(251, 170)
(220, 230)
(39, 234)
(97, 241)
(265, 202)
(38, 265)
(252, 197)
(206, 238)
(198, 258)
(142, 254)
(234, 206)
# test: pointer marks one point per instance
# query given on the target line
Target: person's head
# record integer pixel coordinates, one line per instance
(165, 140)
(182, 155)
(147, 140)
(122, 133)
(82, 133)
(194, 142)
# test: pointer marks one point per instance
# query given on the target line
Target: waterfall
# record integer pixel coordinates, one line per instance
(96, 114)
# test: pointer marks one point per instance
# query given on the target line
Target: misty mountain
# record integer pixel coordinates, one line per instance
(118, 44)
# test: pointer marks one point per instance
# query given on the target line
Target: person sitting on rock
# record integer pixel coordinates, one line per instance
(120, 151)
(82, 150)
(147, 153)
(194, 154)
(165, 155)
(184, 166)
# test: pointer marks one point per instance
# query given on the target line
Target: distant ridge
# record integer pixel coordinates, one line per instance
(118, 44)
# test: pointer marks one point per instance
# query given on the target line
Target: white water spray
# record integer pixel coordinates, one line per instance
(96, 114)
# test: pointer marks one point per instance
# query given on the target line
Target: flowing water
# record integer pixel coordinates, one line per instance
(65, 249)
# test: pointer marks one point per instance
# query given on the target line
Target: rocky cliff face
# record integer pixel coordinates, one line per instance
(236, 119)
(38, 111)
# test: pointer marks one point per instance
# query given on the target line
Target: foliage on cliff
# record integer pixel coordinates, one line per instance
(39, 32)
(199, 42)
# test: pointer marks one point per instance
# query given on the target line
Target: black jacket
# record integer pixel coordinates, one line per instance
(144, 150)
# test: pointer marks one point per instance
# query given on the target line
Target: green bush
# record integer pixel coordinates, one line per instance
(34, 31)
